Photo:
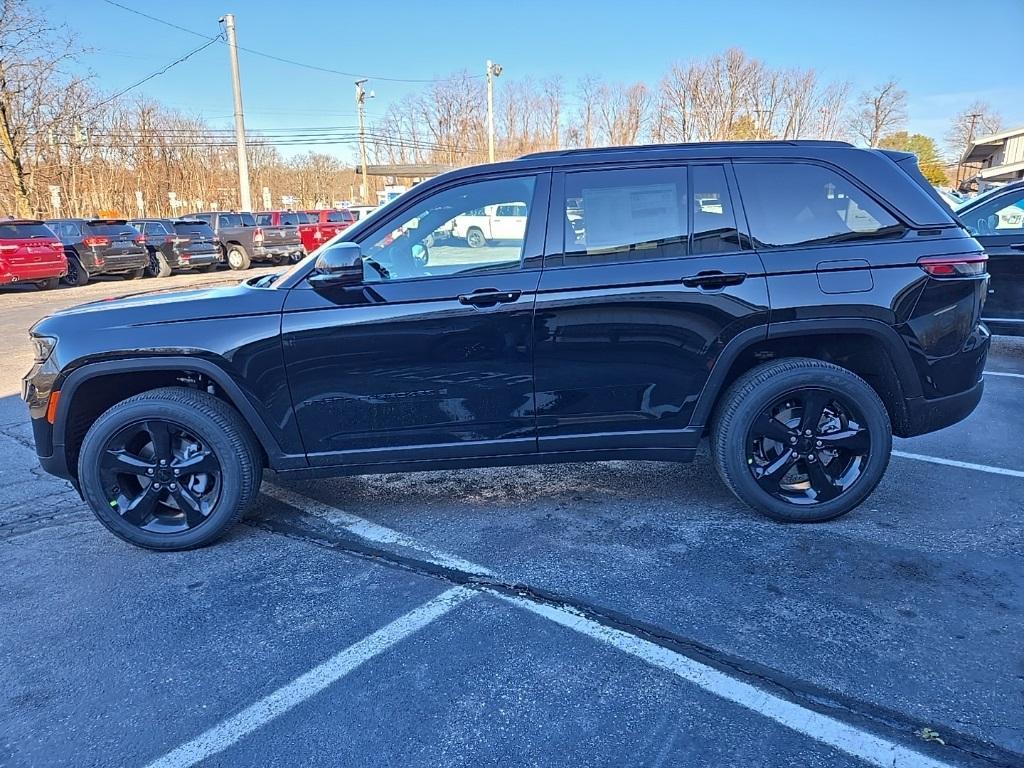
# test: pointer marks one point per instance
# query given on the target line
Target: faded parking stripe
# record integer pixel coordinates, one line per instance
(223, 735)
(961, 464)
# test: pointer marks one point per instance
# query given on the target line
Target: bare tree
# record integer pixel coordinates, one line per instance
(880, 111)
(979, 119)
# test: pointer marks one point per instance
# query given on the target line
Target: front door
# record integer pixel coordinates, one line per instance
(999, 226)
(648, 279)
(431, 356)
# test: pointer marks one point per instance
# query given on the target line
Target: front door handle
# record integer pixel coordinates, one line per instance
(488, 297)
(712, 279)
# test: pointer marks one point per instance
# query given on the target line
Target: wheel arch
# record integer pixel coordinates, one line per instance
(870, 348)
(131, 376)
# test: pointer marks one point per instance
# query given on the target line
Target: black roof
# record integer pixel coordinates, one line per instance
(688, 148)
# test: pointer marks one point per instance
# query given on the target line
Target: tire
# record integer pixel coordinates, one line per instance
(217, 427)
(48, 284)
(779, 399)
(135, 274)
(158, 266)
(475, 238)
(77, 275)
(238, 258)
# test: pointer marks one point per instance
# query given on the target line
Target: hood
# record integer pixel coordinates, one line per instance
(165, 306)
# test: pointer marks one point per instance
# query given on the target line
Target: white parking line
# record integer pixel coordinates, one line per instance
(961, 464)
(229, 731)
(368, 531)
(861, 744)
(1000, 373)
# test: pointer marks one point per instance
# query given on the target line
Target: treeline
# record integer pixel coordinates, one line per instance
(68, 149)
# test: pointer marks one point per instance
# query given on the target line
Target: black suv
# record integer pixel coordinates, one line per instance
(178, 244)
(100, 247)
(798, 302)
(996, 219)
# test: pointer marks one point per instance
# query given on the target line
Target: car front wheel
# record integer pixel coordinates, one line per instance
(801, 440)
(169, 469)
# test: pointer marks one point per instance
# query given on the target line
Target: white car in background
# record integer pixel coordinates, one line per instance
(506, 221)
(362, 211)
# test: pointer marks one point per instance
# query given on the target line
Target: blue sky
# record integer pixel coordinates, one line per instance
(936, 48)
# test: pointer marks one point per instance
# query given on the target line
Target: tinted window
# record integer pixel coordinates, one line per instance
(1004, 215)
(714, 218)
(194, 229)
(24, 231)
(239, 220)
(442, 236)
(289, 219)
(155, 228)
(625, 215)
(112, 230)
(800, 204)
(338, 217)
(67, 231)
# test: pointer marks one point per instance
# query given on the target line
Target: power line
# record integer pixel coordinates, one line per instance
(283, 60)
(147, 78)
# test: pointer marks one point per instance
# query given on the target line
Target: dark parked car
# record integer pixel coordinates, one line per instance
(243, 241)
(178, 244)
(797, 302)
(30, 253)
(996, 219)
(100, 247)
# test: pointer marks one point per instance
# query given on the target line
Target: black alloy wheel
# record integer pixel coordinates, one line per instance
(808, 446)
(160, 477)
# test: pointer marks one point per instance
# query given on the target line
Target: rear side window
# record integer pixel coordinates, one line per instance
(1002, 216)
(791, 204)
(194, 229)
(24, 231)
(625, 215)
(240, 220)
(290, 219)
(263, 219)
(714, 217)
(339, 217)
(154, 228)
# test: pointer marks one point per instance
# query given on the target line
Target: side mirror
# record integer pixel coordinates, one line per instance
(341, 264)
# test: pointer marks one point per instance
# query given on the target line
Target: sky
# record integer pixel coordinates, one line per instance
(945, 54)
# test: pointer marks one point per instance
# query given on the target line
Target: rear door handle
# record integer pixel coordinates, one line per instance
(712, 279)
(488, 297)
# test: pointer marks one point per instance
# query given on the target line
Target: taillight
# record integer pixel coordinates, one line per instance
(8, 248)
(967, 265)
(257, 236)
(96, 241)
(140, 240)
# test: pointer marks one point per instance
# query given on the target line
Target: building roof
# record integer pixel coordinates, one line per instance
(983, 146)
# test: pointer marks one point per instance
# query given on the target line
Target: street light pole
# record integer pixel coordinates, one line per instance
(361, 108)
(244, 197)
(493, 70)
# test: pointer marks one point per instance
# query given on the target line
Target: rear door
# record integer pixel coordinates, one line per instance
(998, 224)
(648, 276)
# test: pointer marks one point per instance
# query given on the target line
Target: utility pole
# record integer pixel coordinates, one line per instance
(970, 137)
(361, 108)
(243, 161)
(493, 70)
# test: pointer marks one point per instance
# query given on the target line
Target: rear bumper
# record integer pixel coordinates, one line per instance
(924, 415)
(187, 261)
(113, 265)
(271, 252)
(29, 273)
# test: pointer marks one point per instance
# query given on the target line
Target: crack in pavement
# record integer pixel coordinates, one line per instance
(897, 725)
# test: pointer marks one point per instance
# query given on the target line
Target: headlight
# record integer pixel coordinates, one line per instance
(42, 347)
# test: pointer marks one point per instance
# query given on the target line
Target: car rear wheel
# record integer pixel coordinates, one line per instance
(801, 440)
(77, 274)
(158, 266)
(48, 284)
(169, 469)
(475, 238)
(238, 258)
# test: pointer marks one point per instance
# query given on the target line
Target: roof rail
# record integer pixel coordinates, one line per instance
(634, 147)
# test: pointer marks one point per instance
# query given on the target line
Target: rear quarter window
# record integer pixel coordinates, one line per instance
(792, 204)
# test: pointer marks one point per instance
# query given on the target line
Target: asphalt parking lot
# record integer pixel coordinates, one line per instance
(620, 613)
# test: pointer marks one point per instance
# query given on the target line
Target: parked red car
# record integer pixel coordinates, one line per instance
(30, 253)
(323, 225)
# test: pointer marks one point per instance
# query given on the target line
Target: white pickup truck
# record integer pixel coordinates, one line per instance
(506, 221)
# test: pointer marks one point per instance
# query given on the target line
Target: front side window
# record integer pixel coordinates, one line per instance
(455, 231)
(791, 204)
(625, 215)
(1004, 215)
